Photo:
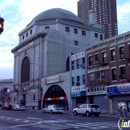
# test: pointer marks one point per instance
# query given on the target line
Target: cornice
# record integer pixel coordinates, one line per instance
(40, 34)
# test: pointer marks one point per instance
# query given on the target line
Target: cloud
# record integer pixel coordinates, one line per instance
(123, 15)
(6, 62)
(5, 56)
(19, 13)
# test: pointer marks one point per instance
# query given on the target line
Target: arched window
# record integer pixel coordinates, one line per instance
(25, 70)
(67, 64)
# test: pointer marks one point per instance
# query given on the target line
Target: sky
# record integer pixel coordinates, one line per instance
(19, 13)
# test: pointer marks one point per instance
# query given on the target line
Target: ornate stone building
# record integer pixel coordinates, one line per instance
(41, 59)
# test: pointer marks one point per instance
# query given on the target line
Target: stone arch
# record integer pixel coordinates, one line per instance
(55, 95)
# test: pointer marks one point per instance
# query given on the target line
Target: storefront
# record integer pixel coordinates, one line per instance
(56, 90)
(97, 95)
(118, 93)
(78, 95)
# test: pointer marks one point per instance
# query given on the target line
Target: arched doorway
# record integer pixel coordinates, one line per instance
(55, 95)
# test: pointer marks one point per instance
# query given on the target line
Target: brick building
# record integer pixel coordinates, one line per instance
(108, 72)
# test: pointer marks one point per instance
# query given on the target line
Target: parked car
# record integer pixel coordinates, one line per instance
(87, 109)
(53, 109)
(19, 107)
(6, 107)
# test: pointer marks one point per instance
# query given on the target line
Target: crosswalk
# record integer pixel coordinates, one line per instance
(95, 125)
(79, 125)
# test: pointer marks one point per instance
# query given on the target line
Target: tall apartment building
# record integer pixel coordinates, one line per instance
(105, 13)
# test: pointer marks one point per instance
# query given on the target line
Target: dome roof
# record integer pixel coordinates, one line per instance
(56, 13)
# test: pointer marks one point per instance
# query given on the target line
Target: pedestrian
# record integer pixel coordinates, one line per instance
(123, 111)
(120, 110)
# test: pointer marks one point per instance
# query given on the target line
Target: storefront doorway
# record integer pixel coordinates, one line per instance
(55, 95)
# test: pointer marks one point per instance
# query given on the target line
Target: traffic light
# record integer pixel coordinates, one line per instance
(1, 25)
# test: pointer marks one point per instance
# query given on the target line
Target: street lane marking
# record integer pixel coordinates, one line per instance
(2, 117)
(17, 119)
(27, 121)
(33, 118)
(26, 124)
(9, 118)
(95, 125)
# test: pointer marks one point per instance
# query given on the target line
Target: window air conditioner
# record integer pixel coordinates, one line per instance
(121, 56)
(82, 65)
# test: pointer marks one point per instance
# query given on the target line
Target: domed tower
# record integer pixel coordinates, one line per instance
(44, 48)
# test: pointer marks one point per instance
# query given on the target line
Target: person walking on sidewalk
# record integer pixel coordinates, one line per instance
(123, 111)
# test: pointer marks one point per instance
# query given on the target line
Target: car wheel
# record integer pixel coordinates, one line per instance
(75, 113)
(97, 115)
(87, 114)
(43, 111)
(51, 112)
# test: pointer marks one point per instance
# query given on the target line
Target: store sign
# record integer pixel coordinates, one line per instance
(78, 91)
(118, 89)
(78, 56)
(53, 79)
(96, 93)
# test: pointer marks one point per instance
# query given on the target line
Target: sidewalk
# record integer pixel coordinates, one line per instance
(107, 115)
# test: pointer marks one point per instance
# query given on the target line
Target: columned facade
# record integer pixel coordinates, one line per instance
(43, 50)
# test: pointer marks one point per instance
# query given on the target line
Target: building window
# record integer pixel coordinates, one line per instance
(122, 73)
(104, 56)
(83, 79)
(78, 81)
(26, 34)
(96, 59)
(78, 78)
(75, 31)
(83, 32)
(33, 97)
(67, 29)
(47, 27)
(101, 37)
(23, 36)
(83, 60)
(14, 99)
(76, 43)
(121, 52)
(90, 61)
(30, 31)
(113, 56)
(114, 74)
(77, 63)
(25, 70)
(100, 76)
(72, 65)
(72, 81)
(92, 78)
(96, 35)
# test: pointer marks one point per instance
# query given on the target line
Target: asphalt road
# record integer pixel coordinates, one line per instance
(32, 120)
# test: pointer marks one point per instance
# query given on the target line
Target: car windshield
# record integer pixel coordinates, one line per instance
(95, 106)
(56, 106)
